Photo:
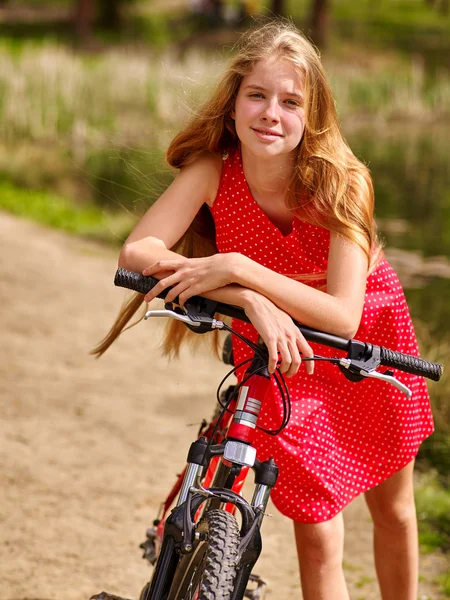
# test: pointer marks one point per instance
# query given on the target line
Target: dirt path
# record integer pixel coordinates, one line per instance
(82, 442)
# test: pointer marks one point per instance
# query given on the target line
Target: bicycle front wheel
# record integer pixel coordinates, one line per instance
(209, 571)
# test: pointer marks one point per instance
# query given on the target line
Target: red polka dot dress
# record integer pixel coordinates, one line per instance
(343, 438)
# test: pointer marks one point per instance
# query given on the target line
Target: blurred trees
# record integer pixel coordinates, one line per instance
(83, 17)
(105, 13)
(319, 21)
(278, 7)
(442, 6)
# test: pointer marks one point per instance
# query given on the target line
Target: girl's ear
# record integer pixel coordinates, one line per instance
(232, 114)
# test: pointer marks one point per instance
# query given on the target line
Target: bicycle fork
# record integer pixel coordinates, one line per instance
(235, 454)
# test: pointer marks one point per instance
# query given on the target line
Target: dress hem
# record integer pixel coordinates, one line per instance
(411, 457)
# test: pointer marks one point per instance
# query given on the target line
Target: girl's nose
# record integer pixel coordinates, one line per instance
(270, 112)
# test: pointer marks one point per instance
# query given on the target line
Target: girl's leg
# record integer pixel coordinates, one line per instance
(393, 511)
(320, 550)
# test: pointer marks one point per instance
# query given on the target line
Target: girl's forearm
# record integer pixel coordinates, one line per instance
(307, 305)
(137, 256)
(232, 294)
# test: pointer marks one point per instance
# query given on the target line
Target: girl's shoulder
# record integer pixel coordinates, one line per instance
(207, 168)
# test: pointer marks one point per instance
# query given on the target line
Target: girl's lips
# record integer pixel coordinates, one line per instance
(266, 134)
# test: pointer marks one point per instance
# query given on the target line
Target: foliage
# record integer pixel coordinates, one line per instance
(444, 581)
(130, 178)
(58, 212)
(411, 171)
(49, 92)
(433, 511)
(411, 26)
(100, 123)
(435, 451)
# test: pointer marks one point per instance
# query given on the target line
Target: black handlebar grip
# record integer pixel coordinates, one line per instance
(134, 281)
(411, 364)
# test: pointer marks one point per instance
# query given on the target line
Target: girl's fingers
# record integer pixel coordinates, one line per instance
(188, 292)
(162, 265)
(295, 359)
(285, 357)
(307, 352)
(161, 286)
(179, 291)
(291, 353)
(273, 356)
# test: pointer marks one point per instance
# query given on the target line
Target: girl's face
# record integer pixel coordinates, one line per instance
(269, 111)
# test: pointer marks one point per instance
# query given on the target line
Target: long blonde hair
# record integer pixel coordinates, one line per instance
(329, 187)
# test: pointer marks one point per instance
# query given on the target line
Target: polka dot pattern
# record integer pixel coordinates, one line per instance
(343, 438)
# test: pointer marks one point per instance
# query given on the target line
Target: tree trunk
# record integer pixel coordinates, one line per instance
(278, 7)
(445, 7)
(84, 18)
(216, 11)
(109, 13)
(320, 22)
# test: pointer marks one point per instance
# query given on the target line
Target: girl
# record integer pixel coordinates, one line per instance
(275, 214)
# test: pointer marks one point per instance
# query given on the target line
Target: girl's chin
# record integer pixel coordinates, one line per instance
(266, 150)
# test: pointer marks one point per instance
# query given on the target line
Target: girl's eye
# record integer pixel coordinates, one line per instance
(255, 95)
(292, 103)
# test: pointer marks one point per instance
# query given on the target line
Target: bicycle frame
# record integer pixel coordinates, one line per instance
(214, 476)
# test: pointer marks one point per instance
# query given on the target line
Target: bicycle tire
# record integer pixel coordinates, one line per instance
(209, 571)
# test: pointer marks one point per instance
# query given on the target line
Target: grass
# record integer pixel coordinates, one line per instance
(95, 113)
(444, 583)
(50, 92)
(58, 212)
(433, 510)
(47, 92)
(363, 581)
(435, 451)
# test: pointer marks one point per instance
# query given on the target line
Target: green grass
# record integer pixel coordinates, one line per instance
(444, 582)
(435, 451)
(58, 212)
(433, 511)
(363, 581)
(49, 92)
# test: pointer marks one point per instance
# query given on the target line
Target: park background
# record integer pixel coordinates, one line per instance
(90, 95)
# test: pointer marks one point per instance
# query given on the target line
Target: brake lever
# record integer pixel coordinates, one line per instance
(198, 322)
(347, 362)
(172, 315)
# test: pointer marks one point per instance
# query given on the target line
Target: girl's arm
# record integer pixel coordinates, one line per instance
(169, 217)
(338, 310)
(165, 223)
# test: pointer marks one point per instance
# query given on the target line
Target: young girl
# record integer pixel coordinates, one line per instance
(275, 214)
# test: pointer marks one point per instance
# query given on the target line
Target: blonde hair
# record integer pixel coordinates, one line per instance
(329, 187)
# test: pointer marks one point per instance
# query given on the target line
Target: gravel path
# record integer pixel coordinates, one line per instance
(88, 448)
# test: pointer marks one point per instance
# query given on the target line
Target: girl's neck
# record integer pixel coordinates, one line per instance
(267, 177)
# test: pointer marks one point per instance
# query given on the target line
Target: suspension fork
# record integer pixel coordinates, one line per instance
(237, 451)
(239, 454)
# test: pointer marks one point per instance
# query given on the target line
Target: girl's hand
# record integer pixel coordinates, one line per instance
(190, 276)
(280, 335)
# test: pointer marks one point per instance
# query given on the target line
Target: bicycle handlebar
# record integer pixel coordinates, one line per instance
(360, 352)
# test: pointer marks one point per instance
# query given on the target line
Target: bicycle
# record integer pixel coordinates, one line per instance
(199, 550)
